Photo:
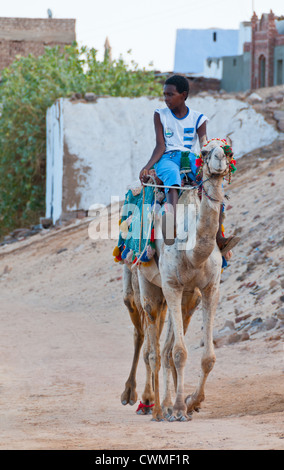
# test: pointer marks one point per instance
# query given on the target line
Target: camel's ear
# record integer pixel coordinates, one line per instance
(229, 141)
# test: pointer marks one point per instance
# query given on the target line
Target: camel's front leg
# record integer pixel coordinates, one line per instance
(154, 306)
(168, 367)
(210, 297)
(190, 301)
(174, 298)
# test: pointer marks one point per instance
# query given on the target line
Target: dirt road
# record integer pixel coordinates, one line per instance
(66, 348)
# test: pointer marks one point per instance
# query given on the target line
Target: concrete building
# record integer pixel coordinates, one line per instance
(23, 36)
(236, 72)
(224, 68)
(194, 46)
(249, 58)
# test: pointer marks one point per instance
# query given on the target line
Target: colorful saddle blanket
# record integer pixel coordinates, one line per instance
(136, 238)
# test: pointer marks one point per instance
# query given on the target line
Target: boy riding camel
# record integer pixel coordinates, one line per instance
(177, 129)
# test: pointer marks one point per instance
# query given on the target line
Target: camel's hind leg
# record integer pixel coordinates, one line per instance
(129, 394)
(210, 297)
(190, 301)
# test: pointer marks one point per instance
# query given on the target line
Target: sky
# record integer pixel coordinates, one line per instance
(146, 27)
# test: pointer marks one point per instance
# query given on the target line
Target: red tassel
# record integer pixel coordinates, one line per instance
(152, 239)
(142, 407)
(199, 161)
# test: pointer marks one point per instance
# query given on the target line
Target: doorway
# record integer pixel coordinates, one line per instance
(279, 72)
(261, 71)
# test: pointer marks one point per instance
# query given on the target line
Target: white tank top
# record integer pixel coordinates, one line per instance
(181, 133)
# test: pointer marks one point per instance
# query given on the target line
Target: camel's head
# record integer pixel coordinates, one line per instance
(216, 157)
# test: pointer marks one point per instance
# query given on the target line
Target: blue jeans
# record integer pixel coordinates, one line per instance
(168, 168)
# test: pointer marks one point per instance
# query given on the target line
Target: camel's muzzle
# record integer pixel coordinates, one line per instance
(217, 162)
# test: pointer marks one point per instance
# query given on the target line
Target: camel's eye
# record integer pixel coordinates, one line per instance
(204, 153)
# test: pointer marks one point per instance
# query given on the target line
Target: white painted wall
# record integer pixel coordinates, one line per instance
(112, 139)
(194, 46)
(54, 160)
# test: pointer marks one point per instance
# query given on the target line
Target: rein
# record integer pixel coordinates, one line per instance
(198, 186)
(207, 195)
(182, 188)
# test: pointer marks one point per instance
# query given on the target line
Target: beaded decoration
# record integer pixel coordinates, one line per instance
(228, 152)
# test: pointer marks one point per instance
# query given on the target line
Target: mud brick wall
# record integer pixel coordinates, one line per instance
(23, 36)
(264, 39)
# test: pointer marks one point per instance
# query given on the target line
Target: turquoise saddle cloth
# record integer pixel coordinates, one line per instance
(136, 227)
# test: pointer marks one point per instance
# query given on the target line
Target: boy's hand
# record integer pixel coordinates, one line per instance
(144, 174)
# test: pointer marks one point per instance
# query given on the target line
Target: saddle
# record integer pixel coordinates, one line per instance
(136, 241)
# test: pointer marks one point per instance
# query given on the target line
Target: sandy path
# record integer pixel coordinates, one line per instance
(66, 347)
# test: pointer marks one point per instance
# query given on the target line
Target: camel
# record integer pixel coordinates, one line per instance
(184, 278)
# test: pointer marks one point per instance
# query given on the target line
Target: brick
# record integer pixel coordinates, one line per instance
(23, 36)
(264, 39)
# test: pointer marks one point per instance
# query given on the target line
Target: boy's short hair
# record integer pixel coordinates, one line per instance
(181, 83)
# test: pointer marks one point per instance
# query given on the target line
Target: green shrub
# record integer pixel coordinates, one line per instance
(28, 87)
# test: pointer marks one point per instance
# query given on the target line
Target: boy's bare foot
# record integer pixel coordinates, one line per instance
(228, 255)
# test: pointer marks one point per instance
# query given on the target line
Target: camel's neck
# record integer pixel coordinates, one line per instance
(208, 220)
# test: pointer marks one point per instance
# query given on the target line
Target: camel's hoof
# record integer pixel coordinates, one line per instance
(145, 411)
(158, 415)
(129, 396)
(185, 418)
(167, 411)
(193, 404)
(126, 402)
(180, 416)
(158, 419)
